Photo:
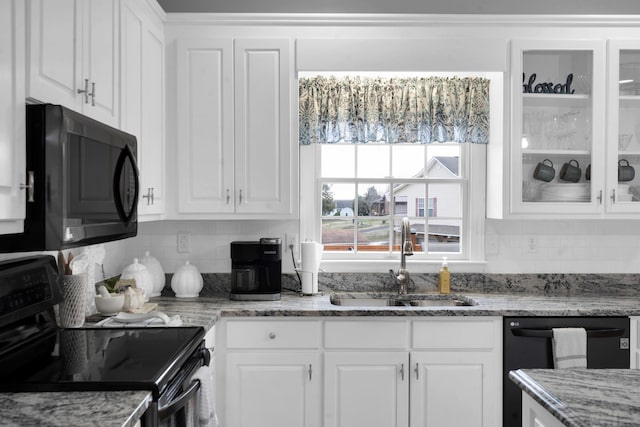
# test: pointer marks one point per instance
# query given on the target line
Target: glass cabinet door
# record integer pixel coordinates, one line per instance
(558, 118)
(623, 182)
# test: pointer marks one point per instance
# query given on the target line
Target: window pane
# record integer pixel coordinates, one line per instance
(373, 199)
(408, 161)
(337, 199)
(373, 161)
(337, 234)
(444, 235)
(445, 200)
(373, 235)
(338, 160)
(407, 198)
(444, 161)
(417, 234)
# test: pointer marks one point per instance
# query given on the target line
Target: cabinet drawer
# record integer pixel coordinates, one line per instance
(476, 333)
(382, 334)
(273, 334)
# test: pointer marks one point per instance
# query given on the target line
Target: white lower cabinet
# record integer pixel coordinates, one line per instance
(437, 372)
(634, 342)
(534, 415)
(366, 388)
(273, 389)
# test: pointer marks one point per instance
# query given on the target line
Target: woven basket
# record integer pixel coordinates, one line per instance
(72, 308)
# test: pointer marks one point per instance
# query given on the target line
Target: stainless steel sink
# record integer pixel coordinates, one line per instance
(409, 300)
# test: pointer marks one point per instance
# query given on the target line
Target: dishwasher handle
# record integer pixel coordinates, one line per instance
(548, 333)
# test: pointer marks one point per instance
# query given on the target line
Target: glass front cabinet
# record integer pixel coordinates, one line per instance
(558, 138)
(623, 131)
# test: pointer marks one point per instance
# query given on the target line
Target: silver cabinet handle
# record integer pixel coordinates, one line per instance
(309, 372)
(149, 196)
(416, 371)
(402, 371)
(30, 186)
(600, 197)
(240, 196)
(272, 335)
(613, 195)
(228, 196)
(85, 91)
(93, 94)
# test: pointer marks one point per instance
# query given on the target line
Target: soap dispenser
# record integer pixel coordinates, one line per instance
(444, 283)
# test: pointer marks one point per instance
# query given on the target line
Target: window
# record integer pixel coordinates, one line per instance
(366, 190)
(354, 196)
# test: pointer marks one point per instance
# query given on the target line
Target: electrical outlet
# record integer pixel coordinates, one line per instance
(532, 244)
(290, 241)
(184, 242)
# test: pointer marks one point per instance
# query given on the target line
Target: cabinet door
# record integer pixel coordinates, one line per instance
(534, 415)
(264, 149)
(100, 60)
(273, 389)
(366, 389)
(205, 126)
(558, 122)
(454, 389)
(142, 96)
(12, 116)
(54, 63)
(623, 137)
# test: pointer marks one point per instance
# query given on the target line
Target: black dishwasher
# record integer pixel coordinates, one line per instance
(528, 345)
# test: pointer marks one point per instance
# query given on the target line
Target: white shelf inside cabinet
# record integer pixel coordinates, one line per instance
(559, 100)
(531, 153)
(628, 153)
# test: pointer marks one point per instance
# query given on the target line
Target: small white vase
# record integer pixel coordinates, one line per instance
(187, 281)
(154, 267)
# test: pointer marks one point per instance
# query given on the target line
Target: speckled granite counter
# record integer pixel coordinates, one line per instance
(124, 408)
(585, 397)
(73, 409)
(205, 311)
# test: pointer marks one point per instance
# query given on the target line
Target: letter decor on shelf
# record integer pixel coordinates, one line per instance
(549, 87)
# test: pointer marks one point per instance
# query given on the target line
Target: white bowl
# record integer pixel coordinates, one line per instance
(108, 306)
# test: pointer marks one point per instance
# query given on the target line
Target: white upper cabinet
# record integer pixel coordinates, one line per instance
(623, 135)
(558, 121)
(236, 153)
(12, 116)
(142, 100)
(74, 56)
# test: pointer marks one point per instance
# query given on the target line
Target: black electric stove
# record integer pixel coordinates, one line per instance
(36, 355)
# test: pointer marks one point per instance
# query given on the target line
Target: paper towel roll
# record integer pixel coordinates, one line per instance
(311, 253)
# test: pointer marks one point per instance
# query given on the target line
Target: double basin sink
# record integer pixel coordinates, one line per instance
(401, 300)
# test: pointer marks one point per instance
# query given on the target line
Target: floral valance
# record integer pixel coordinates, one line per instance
(393, 110)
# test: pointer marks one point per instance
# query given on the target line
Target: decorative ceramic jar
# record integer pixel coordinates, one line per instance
(141, 275)
(187, 281)
(154, 267)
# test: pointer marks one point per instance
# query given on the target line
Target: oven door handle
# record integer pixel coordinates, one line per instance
(548, 333)
(179, 402)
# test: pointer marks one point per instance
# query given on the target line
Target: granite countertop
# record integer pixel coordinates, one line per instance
(585, 397)
(73, 409)
(205, 311)
(124, 408)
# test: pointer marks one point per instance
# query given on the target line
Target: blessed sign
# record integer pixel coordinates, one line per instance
(547, 87)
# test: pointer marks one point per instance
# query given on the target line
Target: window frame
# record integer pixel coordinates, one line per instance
(473, 167)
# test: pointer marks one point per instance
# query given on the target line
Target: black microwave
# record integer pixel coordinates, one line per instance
(83, 182)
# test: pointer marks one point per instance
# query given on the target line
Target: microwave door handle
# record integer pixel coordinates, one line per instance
(124, 155)
(179, 402)
(548, 333)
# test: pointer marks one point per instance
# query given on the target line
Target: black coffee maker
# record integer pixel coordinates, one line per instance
(256, 270)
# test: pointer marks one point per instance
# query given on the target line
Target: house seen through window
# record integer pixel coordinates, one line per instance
(366, 190)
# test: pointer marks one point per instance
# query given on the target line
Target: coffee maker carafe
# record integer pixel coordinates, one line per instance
(256, 270)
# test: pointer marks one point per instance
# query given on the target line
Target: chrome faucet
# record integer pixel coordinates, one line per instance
(406, 249)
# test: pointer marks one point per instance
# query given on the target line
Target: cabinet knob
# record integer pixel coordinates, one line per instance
(272, 335)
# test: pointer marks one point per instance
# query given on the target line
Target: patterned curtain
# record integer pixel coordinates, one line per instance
(392, 110)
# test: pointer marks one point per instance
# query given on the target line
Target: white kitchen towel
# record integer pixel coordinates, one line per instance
(569, 348)
(208, 417)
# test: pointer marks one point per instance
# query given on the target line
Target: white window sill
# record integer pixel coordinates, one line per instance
(415, 267)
